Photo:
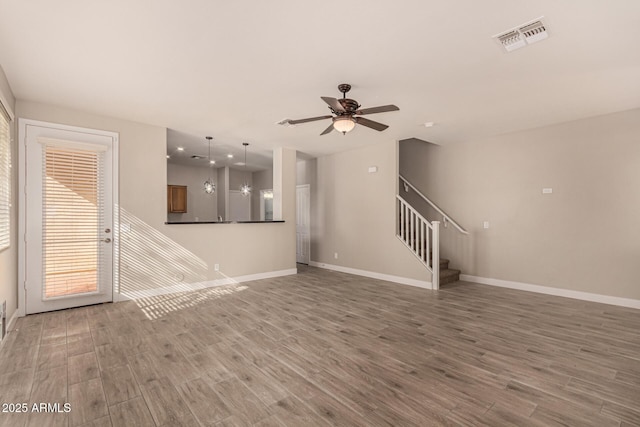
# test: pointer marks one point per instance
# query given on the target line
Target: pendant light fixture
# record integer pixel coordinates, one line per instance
(209, 185)
(245, 189)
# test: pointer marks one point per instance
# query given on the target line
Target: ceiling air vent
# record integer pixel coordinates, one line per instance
(523, 35)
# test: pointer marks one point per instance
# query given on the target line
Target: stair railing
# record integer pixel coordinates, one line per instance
(445, 218)
(421, 237)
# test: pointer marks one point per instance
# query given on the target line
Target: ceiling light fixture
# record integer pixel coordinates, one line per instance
(344, 124)
(209, 185)
(245, 189)
(229, 156)
(180, 148)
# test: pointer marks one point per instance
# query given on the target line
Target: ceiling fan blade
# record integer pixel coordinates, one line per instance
(334, 104)
(382, 109)
(311, 119)
(327, 130)
(370, 124)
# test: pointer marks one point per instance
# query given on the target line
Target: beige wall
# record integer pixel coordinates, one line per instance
(585, 236)
(154, 254)
(200, 205)
(9, 256)
(353, 213)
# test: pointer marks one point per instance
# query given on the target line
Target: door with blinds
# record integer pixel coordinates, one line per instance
(69, 217)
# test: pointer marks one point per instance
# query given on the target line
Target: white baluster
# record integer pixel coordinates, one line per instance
(435, 261)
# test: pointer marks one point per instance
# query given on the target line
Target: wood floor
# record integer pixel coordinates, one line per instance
(326, 348)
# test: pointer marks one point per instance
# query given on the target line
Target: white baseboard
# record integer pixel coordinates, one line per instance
(9, 328)
(12, 322)
(567, 293)
(188, 287)
(389, 278)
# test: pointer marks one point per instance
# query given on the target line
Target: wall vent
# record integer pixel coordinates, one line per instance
(523, 35)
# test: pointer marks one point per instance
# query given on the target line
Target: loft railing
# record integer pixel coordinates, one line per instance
(445, 218)
(421, 237)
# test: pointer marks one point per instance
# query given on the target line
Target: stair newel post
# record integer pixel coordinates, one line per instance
(435, 258)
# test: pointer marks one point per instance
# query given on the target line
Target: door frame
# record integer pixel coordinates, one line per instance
(23, 124)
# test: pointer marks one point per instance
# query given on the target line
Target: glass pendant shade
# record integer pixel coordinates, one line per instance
(344, 124)
(209, 187)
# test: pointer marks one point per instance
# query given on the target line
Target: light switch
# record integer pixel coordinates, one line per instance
(547, 190)
(485, 224)
(373, 169)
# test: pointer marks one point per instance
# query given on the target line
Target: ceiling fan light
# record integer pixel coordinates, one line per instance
(344, 124)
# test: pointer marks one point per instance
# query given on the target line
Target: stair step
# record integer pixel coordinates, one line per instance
(449, 276)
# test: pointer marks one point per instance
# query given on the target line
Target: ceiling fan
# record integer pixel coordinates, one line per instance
(345, 111)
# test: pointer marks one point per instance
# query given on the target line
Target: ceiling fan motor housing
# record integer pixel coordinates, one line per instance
(349, 105)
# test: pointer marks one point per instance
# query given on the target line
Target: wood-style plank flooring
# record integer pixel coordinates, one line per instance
(326, 348)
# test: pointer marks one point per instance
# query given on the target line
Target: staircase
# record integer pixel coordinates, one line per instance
(447, 275)
(423, 238)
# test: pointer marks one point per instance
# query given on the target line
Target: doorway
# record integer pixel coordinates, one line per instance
(68, 191)
(303, 224)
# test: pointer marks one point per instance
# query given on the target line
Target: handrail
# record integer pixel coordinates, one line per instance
(421, 237)
(440, 211)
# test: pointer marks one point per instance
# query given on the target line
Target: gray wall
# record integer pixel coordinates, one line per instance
(222, 192)
(262, 180)
(9, 256)
(585, 236)
(200, 205)
(237, 177)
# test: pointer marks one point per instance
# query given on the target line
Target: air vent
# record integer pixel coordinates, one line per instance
(523, 35)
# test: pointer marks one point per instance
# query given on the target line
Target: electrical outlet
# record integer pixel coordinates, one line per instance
(485, 224)
(335, 255)
(216, 267)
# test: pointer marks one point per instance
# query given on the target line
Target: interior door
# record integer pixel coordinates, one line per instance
(303, 224)
(68, 217)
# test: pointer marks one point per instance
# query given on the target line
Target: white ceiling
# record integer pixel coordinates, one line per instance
(233, 69)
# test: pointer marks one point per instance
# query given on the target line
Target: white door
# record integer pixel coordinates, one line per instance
(67, 215)
(303, 223)
(239, 206)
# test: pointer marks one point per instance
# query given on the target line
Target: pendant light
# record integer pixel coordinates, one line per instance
(209, 185)
(245, 189)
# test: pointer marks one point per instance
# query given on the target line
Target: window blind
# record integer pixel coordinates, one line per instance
(73, 212)
(5, 182)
